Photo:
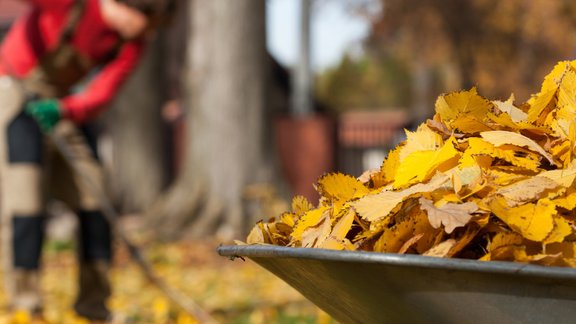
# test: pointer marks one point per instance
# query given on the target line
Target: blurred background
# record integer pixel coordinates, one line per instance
(243, 104)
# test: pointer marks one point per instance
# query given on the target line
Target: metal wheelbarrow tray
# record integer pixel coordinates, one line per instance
(369, 287)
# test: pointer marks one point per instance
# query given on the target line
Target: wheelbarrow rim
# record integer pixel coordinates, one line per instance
(401, 260)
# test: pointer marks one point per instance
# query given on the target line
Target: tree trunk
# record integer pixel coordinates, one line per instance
(138, 136)
(226, 105)
(422, 109)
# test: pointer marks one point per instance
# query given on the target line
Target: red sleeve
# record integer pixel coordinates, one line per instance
(86, 105)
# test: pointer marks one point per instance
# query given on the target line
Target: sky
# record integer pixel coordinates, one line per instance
(334, 32)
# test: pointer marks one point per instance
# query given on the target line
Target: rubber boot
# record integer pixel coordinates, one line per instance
(94, 291)
(95, 253)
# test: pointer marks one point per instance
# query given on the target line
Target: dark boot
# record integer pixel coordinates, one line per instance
(95, 255)
(94, 291)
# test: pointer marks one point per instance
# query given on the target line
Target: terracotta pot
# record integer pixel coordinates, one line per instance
(306, 150)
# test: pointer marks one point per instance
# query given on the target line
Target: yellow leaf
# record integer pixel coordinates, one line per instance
(499, 138)
(469, 124)
(309, 219)
(390, 166)
(421, 166)
(572, 140)
(333, 244)
(504, 120)
(553, 79)
(450, 215)
(565, 113)
(288, 219)
(280, 233)
(486, 257)
(392, 239)
(503, 239)
(507, 246)
(562, 152)
(343, 226)
(509, 253)
(463, 103)
(567, 202)
(422, 226)
(504, 178)
(338, 186)
(300, 205)
(476, 146)
(541, 106)
(508, 153)
(561, 229)
(533, 221)
(541, 103)
(373, 207)
(442, 198)
(464, 240)
(464, 110)
(269, 230)
(423, 139)
(395, 237)
(518, 158)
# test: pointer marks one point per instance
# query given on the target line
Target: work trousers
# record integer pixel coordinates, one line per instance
(31, 172)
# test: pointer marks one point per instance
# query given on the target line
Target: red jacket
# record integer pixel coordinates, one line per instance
(92, 38)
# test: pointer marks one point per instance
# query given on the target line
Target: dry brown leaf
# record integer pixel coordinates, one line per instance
(376, 206)
(367, 175)
(516, 114)
(450, 215)
(256, 236)
(526, 190)
(316, 235)
(410, 242)
(441, 250)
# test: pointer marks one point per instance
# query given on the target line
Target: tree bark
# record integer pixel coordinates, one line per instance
(225, 100)
(137, 136)
(422, 88)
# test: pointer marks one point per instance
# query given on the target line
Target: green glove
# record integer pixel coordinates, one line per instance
(47, 113)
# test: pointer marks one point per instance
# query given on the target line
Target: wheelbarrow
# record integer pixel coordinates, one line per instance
(370, 287)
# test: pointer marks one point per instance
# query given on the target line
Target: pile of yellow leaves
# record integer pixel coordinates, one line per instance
(483, 179)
